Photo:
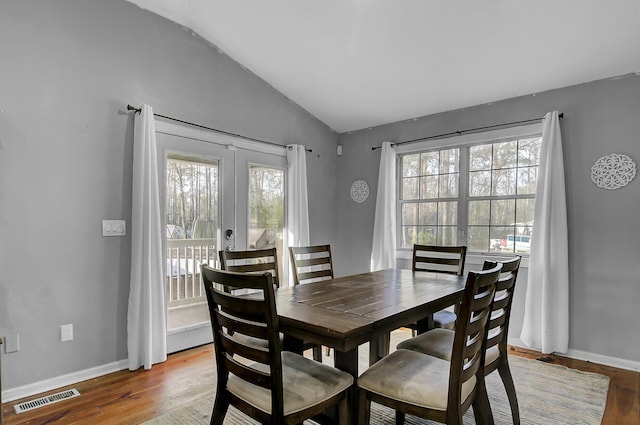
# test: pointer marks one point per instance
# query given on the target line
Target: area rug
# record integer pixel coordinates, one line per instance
(547, 394)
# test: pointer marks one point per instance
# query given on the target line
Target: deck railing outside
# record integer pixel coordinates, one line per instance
(184, 257)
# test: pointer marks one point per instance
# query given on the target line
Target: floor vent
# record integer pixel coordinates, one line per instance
(43, 401)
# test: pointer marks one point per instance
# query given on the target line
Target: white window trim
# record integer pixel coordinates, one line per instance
(465, 140)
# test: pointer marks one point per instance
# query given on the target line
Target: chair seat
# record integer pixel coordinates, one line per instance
(439, 343)
(305, 383)
(413, 378)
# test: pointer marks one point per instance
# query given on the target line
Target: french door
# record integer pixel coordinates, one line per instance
(219, 193)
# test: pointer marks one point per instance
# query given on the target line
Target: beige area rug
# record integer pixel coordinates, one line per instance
(547, 394)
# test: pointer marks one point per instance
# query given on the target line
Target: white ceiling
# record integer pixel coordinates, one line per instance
(360, 63)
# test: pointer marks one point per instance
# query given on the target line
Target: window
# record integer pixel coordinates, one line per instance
(480, 193)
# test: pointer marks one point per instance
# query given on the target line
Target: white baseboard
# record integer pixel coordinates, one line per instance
(62, 381)
(590, 357)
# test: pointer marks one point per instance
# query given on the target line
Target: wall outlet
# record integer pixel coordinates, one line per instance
(114, 228)
(12, 343)
(66, 332)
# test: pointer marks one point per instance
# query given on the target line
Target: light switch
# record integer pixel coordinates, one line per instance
(114, 228)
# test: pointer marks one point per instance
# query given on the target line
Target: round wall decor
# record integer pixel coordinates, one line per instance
(613, 171)
(359, 191)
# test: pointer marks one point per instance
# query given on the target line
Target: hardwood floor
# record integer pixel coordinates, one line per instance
(133, 397)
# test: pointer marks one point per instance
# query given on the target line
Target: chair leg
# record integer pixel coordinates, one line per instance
(507, 381)
(220, 407)
(399, 417)
(343, 412)
(481, 407)
(364, 408)
(317, 353)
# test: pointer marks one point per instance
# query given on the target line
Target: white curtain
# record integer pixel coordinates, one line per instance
(383, 251)
(546, 316)
(146, 320)
(297, 202)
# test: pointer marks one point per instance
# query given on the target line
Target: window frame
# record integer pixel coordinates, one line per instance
(462, 142)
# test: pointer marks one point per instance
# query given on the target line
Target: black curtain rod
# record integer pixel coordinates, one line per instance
(138, 110)
(457, 133)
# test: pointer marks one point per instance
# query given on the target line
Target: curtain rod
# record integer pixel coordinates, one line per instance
(138, 110)
(458, 133)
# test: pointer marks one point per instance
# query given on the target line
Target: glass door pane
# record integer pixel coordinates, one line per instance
(192, 232)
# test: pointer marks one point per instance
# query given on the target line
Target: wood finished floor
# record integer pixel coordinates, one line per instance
(133, 397)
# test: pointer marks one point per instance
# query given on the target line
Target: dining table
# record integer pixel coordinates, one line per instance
(346, 312)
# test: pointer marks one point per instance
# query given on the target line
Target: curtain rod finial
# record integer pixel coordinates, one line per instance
(132, 108)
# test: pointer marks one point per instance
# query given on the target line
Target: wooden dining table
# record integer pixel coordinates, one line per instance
(345, 312)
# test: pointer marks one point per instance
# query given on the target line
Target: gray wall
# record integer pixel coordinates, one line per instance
(601, 117)
(68, 69)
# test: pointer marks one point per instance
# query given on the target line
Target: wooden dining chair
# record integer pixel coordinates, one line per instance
(256, 261)
(251, 261)
(439, 342)
(441, 259)
(261, 380)
(311, 263)
(432, 388)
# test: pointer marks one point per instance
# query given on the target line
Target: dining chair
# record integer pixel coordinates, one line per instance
(311, 263)
(261, 380)
(439, 342)
(432, 388)
(251, 261)
(256, 261)
(441, 259)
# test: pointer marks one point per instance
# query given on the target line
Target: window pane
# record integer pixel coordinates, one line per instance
(266, 208)
(504, 182)
(480, 183)
(480, 157)
(505, 155)
(409, 214)
(449, 161)
(447, 213)
(410, 165)
(478, 239)
(503, 212)
(429, 187)
(527, 180)
(429, 163)
(447, 235)
(409, 236)
(448, 186)
(524, 211)
(428, 213)
(410, 188)
(529, 151)
(479, 212)
(427, 235)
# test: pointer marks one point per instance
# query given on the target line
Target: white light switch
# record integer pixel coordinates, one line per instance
(114, 228)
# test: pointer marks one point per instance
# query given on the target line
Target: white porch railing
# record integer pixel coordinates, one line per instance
(184, 257)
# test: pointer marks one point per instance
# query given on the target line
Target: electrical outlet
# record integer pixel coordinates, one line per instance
(66, 332)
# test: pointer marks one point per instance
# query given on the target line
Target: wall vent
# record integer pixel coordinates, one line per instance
(43, 401)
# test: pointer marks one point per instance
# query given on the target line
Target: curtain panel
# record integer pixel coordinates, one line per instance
(383, 250)
(146, 318)
(546, 316)
(297, 202)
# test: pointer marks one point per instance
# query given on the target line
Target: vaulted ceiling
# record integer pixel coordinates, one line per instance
(360, 63)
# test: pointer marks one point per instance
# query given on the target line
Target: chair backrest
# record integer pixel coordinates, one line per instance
(498, 326)
(436, 258)
(236, 322)
(467, 355)
(311, 263)
(252, 261)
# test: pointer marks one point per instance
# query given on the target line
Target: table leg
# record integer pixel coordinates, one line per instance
(292, 344)
(379, 347)
(348, 362)
(425, 324)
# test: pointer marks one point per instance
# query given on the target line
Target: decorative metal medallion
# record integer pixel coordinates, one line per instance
(613, 171)
(359, 191)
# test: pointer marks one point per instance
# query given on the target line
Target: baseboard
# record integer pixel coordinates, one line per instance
(589, 357)
(62, 381)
